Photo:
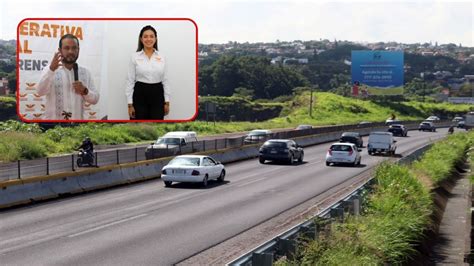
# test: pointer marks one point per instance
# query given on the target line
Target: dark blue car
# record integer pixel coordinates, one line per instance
(284, 150)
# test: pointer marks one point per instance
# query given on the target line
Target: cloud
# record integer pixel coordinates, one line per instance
(219, 22)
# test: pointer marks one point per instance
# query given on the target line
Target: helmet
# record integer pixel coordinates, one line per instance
(87, 139)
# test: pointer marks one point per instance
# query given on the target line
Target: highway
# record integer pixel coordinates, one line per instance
(148, 224)
(106, 155)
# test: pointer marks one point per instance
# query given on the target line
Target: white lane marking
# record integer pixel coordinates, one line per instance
(315, 162)
(253, 181)
(108, 225)
(274, 170)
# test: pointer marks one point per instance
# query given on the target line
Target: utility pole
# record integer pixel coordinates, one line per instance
(424, 88)
(423, 85)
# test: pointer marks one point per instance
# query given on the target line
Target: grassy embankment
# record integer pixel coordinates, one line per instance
(397, 215)
(26, 141)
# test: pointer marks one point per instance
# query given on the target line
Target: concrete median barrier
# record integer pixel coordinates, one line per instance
(21, 191)
(25, 193)
(101, 179)
(65, 185)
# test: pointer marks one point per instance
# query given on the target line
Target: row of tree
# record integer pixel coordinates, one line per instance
(8, 67)
(253, 75)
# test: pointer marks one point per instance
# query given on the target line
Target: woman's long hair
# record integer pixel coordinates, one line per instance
(140, 44)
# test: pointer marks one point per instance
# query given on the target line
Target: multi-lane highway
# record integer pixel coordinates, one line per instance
(148, 224)
(106, 155)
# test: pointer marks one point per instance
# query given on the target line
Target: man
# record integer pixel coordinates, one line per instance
(65, 97)
(87, 146)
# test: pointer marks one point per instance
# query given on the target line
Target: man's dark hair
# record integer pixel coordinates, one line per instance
(140, 44)
(68, 36)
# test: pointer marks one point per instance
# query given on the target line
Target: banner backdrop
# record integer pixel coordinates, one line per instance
(377, 72)
(38, 41)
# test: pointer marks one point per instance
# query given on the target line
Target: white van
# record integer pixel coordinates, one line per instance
(187, 136)
(381, 142)
(170, 142)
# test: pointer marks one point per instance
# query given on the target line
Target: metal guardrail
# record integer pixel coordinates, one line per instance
(285, 244)
(53, 165)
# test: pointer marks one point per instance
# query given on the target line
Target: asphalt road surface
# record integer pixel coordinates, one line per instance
(148, 224)
(106, 155)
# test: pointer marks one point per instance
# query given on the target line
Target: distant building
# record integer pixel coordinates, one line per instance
(469, 78)
(277, 59)
(4, 90)
(442, 74)
(301, 61)
(306, 51)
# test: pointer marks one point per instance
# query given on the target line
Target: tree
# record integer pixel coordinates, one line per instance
(244, 93)
(12, 82)
(466, 90)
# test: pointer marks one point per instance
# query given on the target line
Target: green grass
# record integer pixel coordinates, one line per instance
(331, 109)
(397, 213)
(438, 163)
(396, 216)
(384, 91)
(328, 109)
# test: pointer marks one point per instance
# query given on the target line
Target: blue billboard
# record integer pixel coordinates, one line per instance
(377, 72)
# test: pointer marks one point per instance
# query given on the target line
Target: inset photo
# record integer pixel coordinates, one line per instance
(107, 70)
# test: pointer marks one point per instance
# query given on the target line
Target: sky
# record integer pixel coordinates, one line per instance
(414, 21)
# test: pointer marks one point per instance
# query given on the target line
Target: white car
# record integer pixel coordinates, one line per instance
(303, 127)
(257, 135)
(192, 168)
(343, 153)
(432, 118)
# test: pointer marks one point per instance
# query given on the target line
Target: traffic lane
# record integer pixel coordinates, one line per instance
(278, 166)
(246, 171)
(248, 203)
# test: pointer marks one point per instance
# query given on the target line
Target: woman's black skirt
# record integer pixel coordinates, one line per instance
(149, 101)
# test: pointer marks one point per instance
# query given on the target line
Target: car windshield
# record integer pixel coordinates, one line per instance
(184, 161)
(341, 148)
(350, 134)
(169, 141)
(396, 126)
(426, 124)
(303, 127)
(348, 138)
(275, 144)
(257, 133)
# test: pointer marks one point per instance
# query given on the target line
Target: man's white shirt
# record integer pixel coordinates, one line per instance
(61, 99)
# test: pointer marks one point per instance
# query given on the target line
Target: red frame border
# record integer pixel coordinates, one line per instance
(100, 121)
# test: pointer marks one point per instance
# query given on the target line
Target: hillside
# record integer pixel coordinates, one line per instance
(7, 108)
(331, 109)
(27, 141)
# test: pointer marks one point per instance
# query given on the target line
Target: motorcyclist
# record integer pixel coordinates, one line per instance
(87, 146)
(451, 129)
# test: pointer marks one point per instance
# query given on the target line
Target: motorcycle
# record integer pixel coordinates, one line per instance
(451, 130)
(85, 158)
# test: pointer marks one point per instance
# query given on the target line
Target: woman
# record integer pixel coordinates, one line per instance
(147, 85)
